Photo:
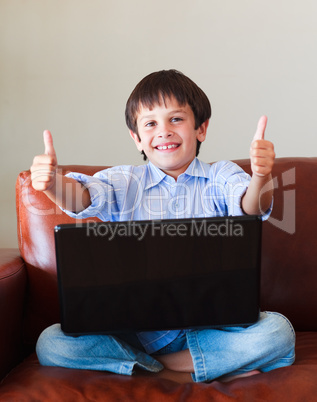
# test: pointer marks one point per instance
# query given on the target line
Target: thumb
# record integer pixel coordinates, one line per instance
(260, 130)
(48, 144)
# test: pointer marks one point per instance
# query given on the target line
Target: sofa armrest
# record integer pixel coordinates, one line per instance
(12, 295)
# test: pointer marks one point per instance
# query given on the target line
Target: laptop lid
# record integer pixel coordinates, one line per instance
(157, 275)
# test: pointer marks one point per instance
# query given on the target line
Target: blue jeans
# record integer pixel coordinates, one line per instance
(266, 345)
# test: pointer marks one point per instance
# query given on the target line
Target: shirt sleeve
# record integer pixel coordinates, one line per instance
(235, 184)
(103, 204)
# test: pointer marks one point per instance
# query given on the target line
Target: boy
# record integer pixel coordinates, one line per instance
(168, 115)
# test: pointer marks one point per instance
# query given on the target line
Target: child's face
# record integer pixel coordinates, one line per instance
(168, 136)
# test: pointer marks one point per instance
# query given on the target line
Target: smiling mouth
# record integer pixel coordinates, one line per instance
(163, 147)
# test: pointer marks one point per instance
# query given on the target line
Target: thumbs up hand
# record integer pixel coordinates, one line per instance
(48, 144)
(43, 169)
(262, 153)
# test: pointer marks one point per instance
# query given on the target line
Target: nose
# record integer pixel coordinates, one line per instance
(165, 131)
(165, 134)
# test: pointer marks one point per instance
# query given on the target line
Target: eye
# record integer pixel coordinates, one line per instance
(176, 119)
(150, 124)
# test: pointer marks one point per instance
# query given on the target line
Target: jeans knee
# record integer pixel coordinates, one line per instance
(281, 331)
(46, 345)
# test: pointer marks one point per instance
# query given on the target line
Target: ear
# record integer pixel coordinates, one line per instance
(202, 131)
(136, 140)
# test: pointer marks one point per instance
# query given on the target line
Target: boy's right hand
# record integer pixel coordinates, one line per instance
(43, 169)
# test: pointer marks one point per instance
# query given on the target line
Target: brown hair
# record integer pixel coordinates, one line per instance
(157, 86)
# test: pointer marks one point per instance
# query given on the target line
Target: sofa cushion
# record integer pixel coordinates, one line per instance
(31, 382)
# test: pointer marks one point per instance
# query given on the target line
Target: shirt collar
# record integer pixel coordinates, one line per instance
(155, 175)
(197, 169)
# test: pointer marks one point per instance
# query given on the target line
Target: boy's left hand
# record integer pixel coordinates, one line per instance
(262, 153)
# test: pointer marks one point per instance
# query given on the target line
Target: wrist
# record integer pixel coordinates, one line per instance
(261, 179)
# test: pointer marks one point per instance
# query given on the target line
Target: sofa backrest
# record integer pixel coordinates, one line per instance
(36, 218)
(289, 254)
(289, 273)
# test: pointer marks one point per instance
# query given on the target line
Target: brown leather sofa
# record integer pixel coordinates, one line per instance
(29, 303)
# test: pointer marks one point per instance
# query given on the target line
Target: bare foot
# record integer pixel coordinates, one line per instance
(178, 361)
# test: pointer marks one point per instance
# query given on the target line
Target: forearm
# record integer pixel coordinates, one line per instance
(68, 194)
(258, 196)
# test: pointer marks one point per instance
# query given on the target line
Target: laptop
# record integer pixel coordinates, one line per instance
(158, 275)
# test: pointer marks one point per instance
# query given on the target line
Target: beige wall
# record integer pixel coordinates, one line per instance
(69, 66)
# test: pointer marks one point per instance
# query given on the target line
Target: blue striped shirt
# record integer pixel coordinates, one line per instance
(145, 192)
